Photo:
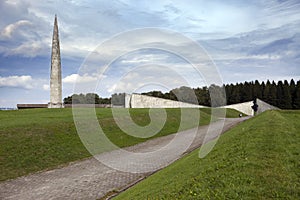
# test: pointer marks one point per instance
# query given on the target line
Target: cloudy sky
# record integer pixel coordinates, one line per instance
(246, 40)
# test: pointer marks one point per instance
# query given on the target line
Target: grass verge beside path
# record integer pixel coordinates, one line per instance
(258, 159)
(37, 139)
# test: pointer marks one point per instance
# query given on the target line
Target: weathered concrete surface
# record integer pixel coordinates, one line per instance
(90, 179)
(143, 101)
(247, 107)
(263, 106)
(242, 107)
(55, 76)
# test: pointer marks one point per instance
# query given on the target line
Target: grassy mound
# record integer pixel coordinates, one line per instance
(258, 159)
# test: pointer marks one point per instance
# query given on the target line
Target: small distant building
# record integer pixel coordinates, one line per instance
(28, 106)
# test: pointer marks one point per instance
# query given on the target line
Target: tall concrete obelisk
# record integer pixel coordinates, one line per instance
(55, 76)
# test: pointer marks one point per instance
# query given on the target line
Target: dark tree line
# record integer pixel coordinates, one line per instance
(89, 98)
(283, 94)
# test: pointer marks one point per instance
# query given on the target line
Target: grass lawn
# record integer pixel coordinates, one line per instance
(38, 139)
(258, 159)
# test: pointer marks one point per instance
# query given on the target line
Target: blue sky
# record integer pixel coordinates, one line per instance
(247, 40)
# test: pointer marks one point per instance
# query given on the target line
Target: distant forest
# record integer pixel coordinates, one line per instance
(89, 98)
(283, 94)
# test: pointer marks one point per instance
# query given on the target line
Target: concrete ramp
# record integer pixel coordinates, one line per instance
(263, 106)
(242, 107)
(246, 107)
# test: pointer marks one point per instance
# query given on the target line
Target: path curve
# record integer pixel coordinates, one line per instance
(90, 179)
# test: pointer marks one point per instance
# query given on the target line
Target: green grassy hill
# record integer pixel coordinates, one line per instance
(258, 159)
(39, 139)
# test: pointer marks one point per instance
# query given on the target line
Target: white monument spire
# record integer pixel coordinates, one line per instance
(55, 76)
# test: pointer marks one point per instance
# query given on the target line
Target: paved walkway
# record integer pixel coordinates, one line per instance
(90, 179)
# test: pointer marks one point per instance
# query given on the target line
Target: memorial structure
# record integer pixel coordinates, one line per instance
(126, 100)
(55, 74)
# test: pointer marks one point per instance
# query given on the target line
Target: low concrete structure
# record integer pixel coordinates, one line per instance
(29, 106)
(263, 106)
(246, 107)
(143, 101)
(242, 107)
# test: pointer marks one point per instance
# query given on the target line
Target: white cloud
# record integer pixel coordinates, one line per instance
(11, 28)
(46, 87)
(24, 81)
(28, 49)
(239, 36)
(147, 76)
(78, 38)
(137, 58)
(76, 78)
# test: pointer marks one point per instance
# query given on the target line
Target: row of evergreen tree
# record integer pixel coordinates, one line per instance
(283, 94)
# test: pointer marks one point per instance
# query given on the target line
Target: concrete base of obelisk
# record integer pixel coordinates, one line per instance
(55, 105)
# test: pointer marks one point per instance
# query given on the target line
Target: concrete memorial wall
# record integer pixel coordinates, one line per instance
(143, 101)
(247, 107)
